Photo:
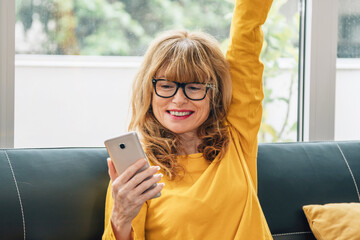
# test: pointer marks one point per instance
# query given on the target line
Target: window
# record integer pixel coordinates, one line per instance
(67, 100)
(75, 62)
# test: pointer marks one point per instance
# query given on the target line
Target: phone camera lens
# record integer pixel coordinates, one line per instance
(122, 146)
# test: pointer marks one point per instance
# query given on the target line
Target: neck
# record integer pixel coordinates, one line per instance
(190, 142)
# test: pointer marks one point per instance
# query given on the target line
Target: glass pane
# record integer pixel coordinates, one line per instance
(280, 56)
(68, 100)
(347, 113)
(349, 29)
(107, 28)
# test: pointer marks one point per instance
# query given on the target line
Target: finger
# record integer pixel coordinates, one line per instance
(111, 169)
(130, 171)
(147, 184)
(152, 192)
(142, 176)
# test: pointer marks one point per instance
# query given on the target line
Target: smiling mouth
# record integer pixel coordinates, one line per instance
(180, 114)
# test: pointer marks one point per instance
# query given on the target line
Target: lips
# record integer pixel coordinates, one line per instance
(180, 114)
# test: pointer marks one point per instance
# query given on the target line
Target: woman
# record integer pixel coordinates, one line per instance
(200, 133)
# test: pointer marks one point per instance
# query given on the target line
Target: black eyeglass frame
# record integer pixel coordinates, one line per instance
(182, 85)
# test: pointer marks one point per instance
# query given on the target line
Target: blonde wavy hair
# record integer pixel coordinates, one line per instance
(184, 57)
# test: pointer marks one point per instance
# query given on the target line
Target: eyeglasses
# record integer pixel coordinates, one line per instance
(193, 91)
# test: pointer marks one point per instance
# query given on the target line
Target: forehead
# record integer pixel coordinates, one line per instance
(189, 74)
(161, 73)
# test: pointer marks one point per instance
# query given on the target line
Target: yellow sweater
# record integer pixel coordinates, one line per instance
(218, 200)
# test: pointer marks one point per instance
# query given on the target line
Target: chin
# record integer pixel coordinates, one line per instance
(176, 131)
(182, 131)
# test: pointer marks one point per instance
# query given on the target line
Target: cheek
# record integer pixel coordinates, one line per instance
(156, 105)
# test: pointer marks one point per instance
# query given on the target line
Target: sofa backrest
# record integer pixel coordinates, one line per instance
(291, 175)
(60, 193)
(52, 193)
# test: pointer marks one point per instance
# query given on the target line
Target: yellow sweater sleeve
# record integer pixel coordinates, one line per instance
(108, 231)
(246, 69)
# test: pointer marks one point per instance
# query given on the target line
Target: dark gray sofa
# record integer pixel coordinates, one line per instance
(60, 193)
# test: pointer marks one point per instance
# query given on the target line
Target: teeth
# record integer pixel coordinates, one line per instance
(179, 114)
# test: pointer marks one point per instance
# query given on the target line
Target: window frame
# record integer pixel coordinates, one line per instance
(319, 70)
(7, 73)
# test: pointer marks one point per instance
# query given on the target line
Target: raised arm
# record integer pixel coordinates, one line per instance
(246, 39)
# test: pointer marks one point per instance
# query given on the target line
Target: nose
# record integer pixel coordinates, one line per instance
(179, 98)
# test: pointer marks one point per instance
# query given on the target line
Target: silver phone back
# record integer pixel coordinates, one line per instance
(130, 151)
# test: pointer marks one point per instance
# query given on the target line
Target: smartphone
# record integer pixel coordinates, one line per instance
(124, 151)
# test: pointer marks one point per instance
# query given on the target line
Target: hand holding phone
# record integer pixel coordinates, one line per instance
(129, 194)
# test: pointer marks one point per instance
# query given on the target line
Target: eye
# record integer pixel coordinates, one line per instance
(166, 85)
(195, 87)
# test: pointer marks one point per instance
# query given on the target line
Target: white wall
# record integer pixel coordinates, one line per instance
(71, 101)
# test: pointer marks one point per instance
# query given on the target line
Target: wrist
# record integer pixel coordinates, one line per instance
(121, 229)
